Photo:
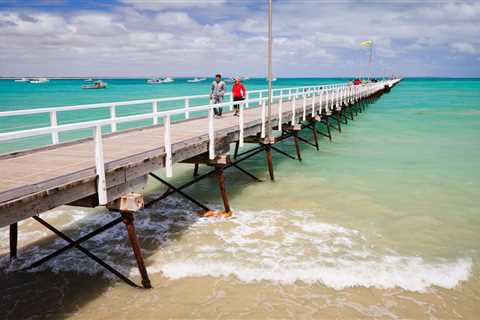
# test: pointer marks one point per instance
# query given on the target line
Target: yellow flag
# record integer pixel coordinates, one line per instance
(366, 43)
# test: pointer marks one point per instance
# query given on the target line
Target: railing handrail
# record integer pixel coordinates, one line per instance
(5, 136)
(20, 112)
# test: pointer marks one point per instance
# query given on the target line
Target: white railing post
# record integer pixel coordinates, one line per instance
(231, 101)
(313, 101)
(320, 101)
(337, 98)
(304, 106)
(211, 135)
(247, 97)
(240, 123)
(167, 136)
(54, 124)
(263, 119)
(280, 111)
(155, 112)
(294, 99)
(100, 166)
(113, 117)
(187, 105)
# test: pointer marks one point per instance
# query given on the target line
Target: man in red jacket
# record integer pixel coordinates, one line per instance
(239, 93)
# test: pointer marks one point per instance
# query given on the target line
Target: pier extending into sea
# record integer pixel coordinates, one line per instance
(112, 169)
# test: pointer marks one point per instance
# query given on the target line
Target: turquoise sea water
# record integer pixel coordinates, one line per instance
(382, 222)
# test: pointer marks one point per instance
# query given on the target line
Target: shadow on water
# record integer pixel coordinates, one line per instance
(57, 294)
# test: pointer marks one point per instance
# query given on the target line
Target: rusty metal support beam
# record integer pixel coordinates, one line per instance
(132, 236)
(85, 251)
(173, 189)
(219, 168)
(74, 243)
(268, 151)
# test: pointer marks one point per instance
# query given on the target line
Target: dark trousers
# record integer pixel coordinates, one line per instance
(218, 111)
(237, 106)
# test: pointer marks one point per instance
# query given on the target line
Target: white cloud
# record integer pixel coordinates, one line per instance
(195, 37)
(159, 5)
(464, 47)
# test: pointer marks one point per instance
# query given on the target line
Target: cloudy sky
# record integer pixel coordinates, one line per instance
(201, 37)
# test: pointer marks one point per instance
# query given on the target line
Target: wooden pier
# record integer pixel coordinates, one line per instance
(113, 169)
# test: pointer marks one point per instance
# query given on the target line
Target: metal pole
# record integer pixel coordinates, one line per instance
(269, 106)
(370, 62)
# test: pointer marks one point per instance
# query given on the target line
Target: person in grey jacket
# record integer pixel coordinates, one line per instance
(217, 93)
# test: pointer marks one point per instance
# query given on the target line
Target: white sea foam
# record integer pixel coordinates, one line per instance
(408, 273)
(278, 246)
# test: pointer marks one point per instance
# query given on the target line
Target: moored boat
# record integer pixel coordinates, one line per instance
(159, 80)
(38, 80)
(196, 80)
(97, 85)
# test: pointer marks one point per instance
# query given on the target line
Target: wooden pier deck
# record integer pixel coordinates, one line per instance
(28, 178)
(38, 180)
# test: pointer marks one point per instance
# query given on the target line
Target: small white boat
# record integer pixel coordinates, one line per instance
(88, 80)
(197, 80)
(38, 80)
(97, 85)
(159, 80)
(245, 78)
(22, 80)
(154, 81)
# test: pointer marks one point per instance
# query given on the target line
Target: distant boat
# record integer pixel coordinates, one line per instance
(197, 80)
(22, 80)
(38, 80)
(245, 78)
(159, 80)
(97, 85)
(88, 80)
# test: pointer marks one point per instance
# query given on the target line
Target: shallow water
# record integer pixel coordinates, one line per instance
(381, 223)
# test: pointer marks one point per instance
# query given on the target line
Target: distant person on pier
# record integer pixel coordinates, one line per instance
(217, 93)
(239, 93)
(357, 82)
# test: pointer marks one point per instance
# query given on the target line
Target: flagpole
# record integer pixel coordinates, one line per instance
(269, 106)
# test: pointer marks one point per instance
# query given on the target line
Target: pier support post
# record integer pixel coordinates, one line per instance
(344, 114)
(13, 240)
(128, 205)
(339, 121)
(219, 168)
(313, 126)
(195, 170)
(297, 145)
(268, 151)
(237, 145)
(327, 124)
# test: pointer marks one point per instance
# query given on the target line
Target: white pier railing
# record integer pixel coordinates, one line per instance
(329, 96)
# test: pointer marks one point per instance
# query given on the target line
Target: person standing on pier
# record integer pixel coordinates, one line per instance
(217, 93)
(239, 93)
